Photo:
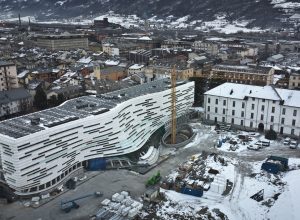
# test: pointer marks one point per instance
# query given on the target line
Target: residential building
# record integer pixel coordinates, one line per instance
(114, 73)
(47, 75)
(41, 150)
(110, 49)
(135, 68)
(14, 101)
(68, 92)
(252, 75)
(163, 70)
(294, 81)
(8, 76)
(139, 56)
(254, 107)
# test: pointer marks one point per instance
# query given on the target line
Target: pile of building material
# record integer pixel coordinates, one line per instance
(123, 205)
(194, 177)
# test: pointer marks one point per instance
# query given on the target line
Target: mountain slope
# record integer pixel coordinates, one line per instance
(262, 12)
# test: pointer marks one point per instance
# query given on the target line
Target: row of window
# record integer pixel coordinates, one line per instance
(233, 102)
(252, 115)
(252, 108)
(251, 124)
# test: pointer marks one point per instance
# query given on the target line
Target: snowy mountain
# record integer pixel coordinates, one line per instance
(261, 13)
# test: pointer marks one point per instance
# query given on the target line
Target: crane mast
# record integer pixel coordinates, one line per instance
(173, 105)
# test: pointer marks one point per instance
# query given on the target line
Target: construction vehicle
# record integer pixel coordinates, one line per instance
(67, 206)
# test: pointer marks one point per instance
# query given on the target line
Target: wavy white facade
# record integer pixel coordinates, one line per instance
(38, 161)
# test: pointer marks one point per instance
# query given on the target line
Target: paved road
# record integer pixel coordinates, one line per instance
(110, 182)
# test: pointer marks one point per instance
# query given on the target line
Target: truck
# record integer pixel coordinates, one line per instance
(67, 206)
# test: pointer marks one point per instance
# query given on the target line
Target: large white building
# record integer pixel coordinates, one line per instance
(254, 107)
(40, 150)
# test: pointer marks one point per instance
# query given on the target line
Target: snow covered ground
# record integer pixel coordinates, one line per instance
(220, 24)
(243, 168)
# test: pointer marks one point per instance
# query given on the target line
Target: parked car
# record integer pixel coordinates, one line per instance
(287, 141)
(265, 143)
(254, 147)
(293, 144)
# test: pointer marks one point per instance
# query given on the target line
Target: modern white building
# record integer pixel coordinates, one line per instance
(40, 150)
(254, 107)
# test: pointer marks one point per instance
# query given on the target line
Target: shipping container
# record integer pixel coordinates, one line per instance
(192, 192)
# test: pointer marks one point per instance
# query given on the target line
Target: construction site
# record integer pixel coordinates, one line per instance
(185, 170)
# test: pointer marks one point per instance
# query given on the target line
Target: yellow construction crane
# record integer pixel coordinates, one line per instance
(173, 105)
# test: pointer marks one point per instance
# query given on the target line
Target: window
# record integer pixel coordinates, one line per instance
(243, 105)
(232, 121)
(271, 127)
(223, 119)
(242, 122)
(262, 117)
(292, 131)
(208, 116)
(262, 107)
(224, 111)
(252, 115)
(224, 102)
(251, 124)
(242, 114)
(252, 107)
(294, 122)
(233, 112)
(216, 110)
(282, 121)
(208, 100)
(273, 109)
(233, 104)
(253, 99)
(274, 101)
(208, 108)
(283, 111)
(272, 118)
(263, 100)
(217, 101)
(216, 119)
(295, 113)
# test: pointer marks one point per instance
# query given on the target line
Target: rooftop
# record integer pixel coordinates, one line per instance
(240, 68)
(6, 63)
(13, 95)
(240, 91)
(78, 108)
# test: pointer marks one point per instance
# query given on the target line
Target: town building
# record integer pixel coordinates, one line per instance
(254, 107)
(160, 70)
(139, 56)
(47, 75)
(14, 101)
(8, 76)
(252, 75)
(294, 81)
(63, 42)
(41, 150)
(110, 49)
(135, 68)
(113, 73)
